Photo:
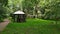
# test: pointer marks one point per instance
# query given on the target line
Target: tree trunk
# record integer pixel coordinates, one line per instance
(36, 11)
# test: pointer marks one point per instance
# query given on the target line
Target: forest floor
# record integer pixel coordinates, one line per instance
(32, 26)
(4, 24)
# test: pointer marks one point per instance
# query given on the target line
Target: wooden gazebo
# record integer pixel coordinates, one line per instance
(19, 16)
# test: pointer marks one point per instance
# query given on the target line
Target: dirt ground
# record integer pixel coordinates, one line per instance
(4, 24)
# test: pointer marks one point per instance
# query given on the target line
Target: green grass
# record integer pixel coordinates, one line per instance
(32, 26)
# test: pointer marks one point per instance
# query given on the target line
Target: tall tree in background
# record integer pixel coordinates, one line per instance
(30, 5)
(3, 9)
(54, 9)
(27, 6)
(4, 2)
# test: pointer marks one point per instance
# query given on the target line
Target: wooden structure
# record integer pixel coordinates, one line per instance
(19, 16)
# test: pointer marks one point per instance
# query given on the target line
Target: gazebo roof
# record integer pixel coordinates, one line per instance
(19, 12)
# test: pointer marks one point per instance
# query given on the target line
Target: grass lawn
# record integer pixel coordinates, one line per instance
(32, 26)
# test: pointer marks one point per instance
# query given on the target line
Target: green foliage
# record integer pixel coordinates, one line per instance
(3, 9)
(15, 4)
(50, 9)
(3, 12)
(4, 2)
(54, 9)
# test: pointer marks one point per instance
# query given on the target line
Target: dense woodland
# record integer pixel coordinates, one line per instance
(42, 9)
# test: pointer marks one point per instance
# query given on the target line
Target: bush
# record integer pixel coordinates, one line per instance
(3, 13)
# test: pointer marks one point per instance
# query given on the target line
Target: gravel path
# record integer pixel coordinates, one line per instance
(4, 24)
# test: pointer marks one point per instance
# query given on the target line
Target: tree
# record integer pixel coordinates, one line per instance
(54, 9)
(4, 2)
(29, 5)
(3, 9)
